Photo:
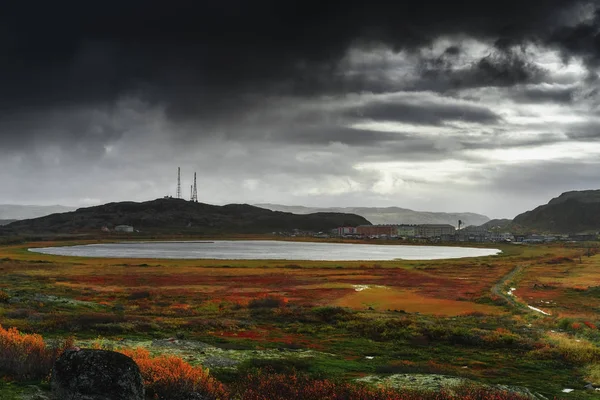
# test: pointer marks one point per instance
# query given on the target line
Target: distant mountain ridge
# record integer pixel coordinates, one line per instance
(175, 215)
(390, 215)
(571, 212)
(15, 211)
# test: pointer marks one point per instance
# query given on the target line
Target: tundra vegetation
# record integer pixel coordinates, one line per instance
(482, 327)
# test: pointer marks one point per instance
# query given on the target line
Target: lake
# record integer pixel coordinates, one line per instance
(265, 250)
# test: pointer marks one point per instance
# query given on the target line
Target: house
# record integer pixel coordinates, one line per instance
(435, 230)
(406, 231)
(377, 230)
(344, 230)
(124, 228)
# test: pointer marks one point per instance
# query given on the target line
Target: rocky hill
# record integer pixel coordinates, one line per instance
(390, 215)
(571, 212)
(173, 215)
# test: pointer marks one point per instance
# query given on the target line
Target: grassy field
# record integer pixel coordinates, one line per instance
(342, 320)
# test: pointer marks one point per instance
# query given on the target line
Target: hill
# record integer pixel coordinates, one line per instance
(497, 224)
(14, 211)
(6, 221)
(390, 215)
(571, 212)
(173, 215)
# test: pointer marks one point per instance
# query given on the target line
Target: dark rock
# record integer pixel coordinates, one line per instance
(589, 386)
(96, 375)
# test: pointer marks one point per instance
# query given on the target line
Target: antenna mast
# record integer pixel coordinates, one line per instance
(178, 195)
(195, 191)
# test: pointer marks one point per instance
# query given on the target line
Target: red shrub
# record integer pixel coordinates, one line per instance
(590, 325)
(168, 377)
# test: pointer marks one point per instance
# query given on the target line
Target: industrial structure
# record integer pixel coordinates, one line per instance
(194, 191)
(178, 194)
(193, 188)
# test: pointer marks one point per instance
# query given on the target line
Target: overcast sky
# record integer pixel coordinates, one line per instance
(488, 107)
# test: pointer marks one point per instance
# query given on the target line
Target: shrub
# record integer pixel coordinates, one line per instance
(565, 323)
(4, 297)
(575, 351)
(171, 378)
(332, 314)
(266, 302)
(590, 325)
(139, 295)
(91, 321)
(592, 373)
(19, 313)
(265, 386)
(27, 357)
(280, 366)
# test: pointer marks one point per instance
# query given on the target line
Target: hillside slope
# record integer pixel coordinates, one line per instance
(497, 224)
(571, 212)
(184, 216)
(390, 215)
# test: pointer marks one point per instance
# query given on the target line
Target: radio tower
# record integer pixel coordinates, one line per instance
(178, 195)
(191, 193)
(195, 191)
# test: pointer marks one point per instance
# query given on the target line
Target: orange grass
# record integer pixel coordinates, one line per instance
(27, 356)
(561, 288)
(382, 298)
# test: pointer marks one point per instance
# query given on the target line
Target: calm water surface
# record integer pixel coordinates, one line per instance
(265, 250)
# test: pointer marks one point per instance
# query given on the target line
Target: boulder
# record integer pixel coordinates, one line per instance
(86, 374)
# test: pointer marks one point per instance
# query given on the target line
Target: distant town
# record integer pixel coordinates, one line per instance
(440, 233)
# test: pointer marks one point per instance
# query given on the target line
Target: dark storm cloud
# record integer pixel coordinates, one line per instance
(502, 67)
(423, 112)
(281, 100)
(581, 40)
(197, 57)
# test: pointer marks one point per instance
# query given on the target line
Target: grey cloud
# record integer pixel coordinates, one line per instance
(589, 131)
(424, 112)
(545, 178)
(545, 94)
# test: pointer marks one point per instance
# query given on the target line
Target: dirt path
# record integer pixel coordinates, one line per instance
(499, 288)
